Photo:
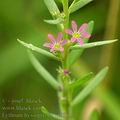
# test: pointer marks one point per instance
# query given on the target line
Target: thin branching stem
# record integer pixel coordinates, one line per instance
(65, 94)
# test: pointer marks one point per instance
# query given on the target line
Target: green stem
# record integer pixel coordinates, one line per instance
(66, 12)
(65, 98)
(64, 93)
(66, 25)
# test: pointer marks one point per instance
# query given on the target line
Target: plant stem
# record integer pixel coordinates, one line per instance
(65, 94)
(65, 98)
(66, 25)
(66, 12)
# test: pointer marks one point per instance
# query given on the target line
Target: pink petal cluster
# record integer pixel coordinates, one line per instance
(78, 34)
(66, 72)
(56, 44)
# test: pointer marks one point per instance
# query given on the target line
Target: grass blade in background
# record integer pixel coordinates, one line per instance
(39, 50)
(90, 87)
(110, 103)
(43, 72)
(93, 44)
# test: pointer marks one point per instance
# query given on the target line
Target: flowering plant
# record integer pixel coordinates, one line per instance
(66, 48)
(56, 44)
(78, 36)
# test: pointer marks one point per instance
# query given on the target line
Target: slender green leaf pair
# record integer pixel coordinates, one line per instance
(43, 72)
(52, 7)
(51, 115)
(39, 50)
(77, 5)
(80, 82)
(90, 87)
(74, 55)
(55, 12)
(59, 20)
(93, 44)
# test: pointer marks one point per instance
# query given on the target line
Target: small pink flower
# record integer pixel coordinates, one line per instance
(78, 35)
(66, 72)
(56, 44)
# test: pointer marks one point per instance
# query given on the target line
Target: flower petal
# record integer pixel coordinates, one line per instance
(66, 72)
(48, 45)
(74, 26)
(61, 49)
(73, 39)
(63, 42)
(80, 41)
(52, 50)
(83, 27)
(85, 35)
(69, 31)
(51, 38)
(60, 35)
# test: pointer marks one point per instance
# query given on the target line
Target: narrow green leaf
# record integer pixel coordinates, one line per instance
(74, 1)
(56, 21)
(93, 44)
(77, 5)
(90, 87)
(80, 82)
(94, 115)
(74, 55)
(52, 7)
(51, 115)
(43, 72)
(44, 110)
(39, 50)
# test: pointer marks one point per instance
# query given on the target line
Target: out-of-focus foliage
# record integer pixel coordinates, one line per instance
(24, 19)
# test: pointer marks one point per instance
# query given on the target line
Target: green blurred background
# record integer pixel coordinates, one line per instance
(23, 19)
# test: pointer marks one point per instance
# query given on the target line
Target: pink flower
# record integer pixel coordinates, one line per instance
(56, 44)
(78, 35)
(66, 72)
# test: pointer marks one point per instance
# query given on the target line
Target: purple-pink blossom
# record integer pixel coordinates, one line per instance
(56, 44)
(66, 72)
(78, 34)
